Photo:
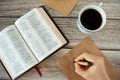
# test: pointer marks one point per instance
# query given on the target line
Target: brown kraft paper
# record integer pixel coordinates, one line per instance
(66, 64)
(63, 6)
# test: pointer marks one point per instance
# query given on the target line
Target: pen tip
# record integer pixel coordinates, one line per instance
(90, 64)
(74, 61)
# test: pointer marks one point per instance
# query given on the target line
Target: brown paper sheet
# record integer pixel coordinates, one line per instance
(67, 66)
(63, 6)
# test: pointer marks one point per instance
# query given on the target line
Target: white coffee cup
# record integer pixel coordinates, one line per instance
(96, 8)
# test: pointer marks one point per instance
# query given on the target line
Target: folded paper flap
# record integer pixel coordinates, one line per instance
(62, 6)
(67, 66)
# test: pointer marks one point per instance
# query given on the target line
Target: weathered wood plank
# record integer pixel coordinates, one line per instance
(20, 7)
(50, 70)
(107, 38)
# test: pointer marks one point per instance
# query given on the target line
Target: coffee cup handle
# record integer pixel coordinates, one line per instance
(100, 4)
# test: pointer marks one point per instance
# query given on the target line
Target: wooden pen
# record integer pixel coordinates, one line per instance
(87, 63)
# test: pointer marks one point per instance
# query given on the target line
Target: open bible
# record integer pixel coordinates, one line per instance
(33, 37)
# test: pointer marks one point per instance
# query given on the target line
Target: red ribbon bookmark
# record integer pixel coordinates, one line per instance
(38, 71)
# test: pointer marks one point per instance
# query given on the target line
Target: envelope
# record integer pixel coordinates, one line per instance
(63, 6)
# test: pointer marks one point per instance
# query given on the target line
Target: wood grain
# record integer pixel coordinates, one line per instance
(50, 70)
(19, 7)
(107, 38)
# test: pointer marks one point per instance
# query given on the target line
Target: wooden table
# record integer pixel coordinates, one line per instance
(108, 39)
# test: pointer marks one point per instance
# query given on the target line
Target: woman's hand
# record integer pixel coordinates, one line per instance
(96, 72)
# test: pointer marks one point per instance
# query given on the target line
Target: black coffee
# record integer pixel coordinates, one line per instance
(91, 19)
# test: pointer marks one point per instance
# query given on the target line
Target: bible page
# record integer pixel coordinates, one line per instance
(15, 55)
(38, 34)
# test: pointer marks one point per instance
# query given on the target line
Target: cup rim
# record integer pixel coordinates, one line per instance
(99, 10)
